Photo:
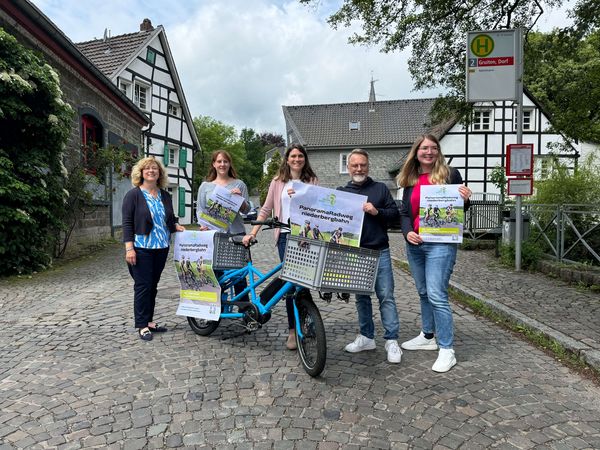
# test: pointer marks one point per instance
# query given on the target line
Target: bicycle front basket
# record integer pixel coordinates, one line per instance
(228, 255)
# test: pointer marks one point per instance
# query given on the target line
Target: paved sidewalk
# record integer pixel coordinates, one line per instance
(74, 374)
(563, 312)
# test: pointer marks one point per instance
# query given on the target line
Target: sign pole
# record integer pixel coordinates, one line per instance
(519, 87)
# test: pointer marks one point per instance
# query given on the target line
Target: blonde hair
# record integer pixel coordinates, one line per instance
(409, 175)
(136, 172)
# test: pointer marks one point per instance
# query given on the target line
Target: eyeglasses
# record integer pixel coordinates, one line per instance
(433, 148)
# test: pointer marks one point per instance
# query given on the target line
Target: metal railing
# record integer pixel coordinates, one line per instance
(483, 219)
(570, 232)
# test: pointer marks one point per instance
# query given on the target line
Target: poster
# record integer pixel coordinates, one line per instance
(200, 294)
(441, 214)
(221, 208)
(327, 214)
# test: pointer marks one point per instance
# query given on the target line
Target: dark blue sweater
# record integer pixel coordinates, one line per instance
(374, 230)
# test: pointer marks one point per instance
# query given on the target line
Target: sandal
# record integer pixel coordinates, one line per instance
(157, 328)
(145, 334)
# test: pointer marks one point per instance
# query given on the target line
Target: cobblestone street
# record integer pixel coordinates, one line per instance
(74, 374)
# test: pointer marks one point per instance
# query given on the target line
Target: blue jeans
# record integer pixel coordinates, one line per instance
(431, 265)
(384, 289)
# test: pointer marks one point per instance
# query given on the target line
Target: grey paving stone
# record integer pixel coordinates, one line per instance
(63, 388)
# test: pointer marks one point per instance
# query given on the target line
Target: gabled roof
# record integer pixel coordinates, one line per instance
(114, 54)
(43, 29)
(110, 54)
(382, 123)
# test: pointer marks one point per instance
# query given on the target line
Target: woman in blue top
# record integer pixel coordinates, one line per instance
(431, 263)
(148, 221)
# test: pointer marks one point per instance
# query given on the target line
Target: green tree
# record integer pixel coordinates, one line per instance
(564, 185)
(435, 32)
(34, 127)
(255, 156)
(215, 135)
(272, 169)
(563, 72)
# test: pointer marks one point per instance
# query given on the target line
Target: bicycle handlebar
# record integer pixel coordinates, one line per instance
(271, 223)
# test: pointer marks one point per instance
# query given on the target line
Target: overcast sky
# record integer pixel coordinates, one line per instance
(240, 60)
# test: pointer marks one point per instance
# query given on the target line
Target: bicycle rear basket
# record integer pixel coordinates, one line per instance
(227, 255)
(330, 267)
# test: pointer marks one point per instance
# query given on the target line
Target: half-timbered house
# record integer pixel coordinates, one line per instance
(387, 129)
(141, 65)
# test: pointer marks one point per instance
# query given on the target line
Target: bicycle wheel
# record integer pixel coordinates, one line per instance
(203, 327)
(312, 347)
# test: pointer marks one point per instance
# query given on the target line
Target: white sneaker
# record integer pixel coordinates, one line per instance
(394, 354)
(420, 343)
(445, 360)
(360, 343)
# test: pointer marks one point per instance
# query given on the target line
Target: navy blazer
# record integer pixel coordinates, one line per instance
(406, 215)
(136, 214)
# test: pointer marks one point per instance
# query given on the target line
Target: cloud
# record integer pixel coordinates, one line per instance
(240, 60)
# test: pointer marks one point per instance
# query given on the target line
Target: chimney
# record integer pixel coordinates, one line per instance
(146, 25)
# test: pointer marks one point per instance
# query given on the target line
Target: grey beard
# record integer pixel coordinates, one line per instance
(359, 179)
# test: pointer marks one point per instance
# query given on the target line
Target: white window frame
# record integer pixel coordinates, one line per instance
(125, 88)
(479, 120)
(344, 162)
(354, 125)
(173, 109)
(173, 155)
(137, 95)
(528, 119)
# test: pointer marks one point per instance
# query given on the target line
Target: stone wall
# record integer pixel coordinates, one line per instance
(86, 98)
(571, 274)
(326, 164)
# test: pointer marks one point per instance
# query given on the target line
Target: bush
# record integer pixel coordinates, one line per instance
(34, 127)
(578, 186)
(531, 253)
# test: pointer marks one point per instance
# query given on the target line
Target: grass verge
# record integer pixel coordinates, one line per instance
(540, 340)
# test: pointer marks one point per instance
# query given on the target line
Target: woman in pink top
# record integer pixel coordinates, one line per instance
(431, 263)
(294, 168)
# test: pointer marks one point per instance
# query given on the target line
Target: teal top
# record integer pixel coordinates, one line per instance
(159, 237)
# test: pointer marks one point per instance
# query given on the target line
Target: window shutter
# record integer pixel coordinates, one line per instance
(166, 155)
(181, 199)
(182, 157)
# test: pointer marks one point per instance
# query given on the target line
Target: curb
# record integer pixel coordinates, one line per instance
(589, 355)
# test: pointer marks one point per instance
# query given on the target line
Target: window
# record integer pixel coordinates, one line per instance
(528, 120)
(543, 166)
(170, 155)
(140, 97)
(150, 56)
(343, 162)
(482, 120)
(173, 109)
(354, 126)
(91, 140)
(125, 88)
